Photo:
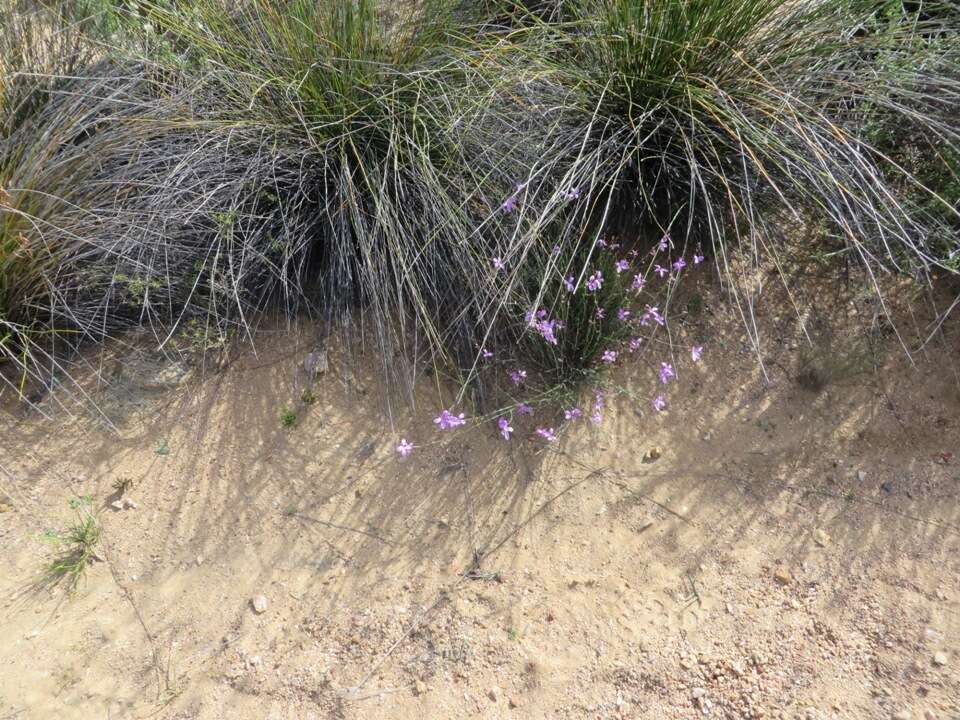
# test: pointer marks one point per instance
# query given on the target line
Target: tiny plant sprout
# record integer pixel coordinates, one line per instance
(288, 418)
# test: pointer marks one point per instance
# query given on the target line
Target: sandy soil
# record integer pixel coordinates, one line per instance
(792, 554)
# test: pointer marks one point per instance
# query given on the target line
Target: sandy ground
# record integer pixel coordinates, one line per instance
(792, 554)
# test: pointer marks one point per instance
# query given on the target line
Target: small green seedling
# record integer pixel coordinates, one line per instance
(288, 418)
(163, 448)
(78, 544)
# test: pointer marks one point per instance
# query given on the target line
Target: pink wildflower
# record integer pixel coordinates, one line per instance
(547, 434)
(666, 372)
(446, 420)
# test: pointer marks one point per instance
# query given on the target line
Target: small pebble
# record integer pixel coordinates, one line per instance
(940, 658)
(654, 453)
(259, 603)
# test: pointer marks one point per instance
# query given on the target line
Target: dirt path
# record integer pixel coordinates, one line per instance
(793, 553)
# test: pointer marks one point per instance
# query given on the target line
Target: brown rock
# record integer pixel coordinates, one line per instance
(783, 575)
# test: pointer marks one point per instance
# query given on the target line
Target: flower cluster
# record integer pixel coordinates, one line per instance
(540, 321)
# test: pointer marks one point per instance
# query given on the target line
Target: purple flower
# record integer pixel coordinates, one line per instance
(659, 403)
(660, 270)
(555, 251)
(666, 372)
(638, 282)
(679, 264)
(541, 314)
(486, 354)
(697, 258)
(595, 282)
(498, 264)
(530, 317)
(635, 344)
(664, 242)
(405, 448)
(547, 434)
(510, 204)
(601, 243)
(621, 265)
(598, 399)
(654, 314)
(546, 329)
(609, 356)
(573, 413)
(505, 428)
(601, 313)
(568, 283)
(447, 420)
(695, 352)
(524, 409)
(572, 194)
(518, 376)
(596, 417)
(623, 314)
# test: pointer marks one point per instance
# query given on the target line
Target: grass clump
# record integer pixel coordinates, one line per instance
(78, 545)
(722, 121)
(313, 172)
